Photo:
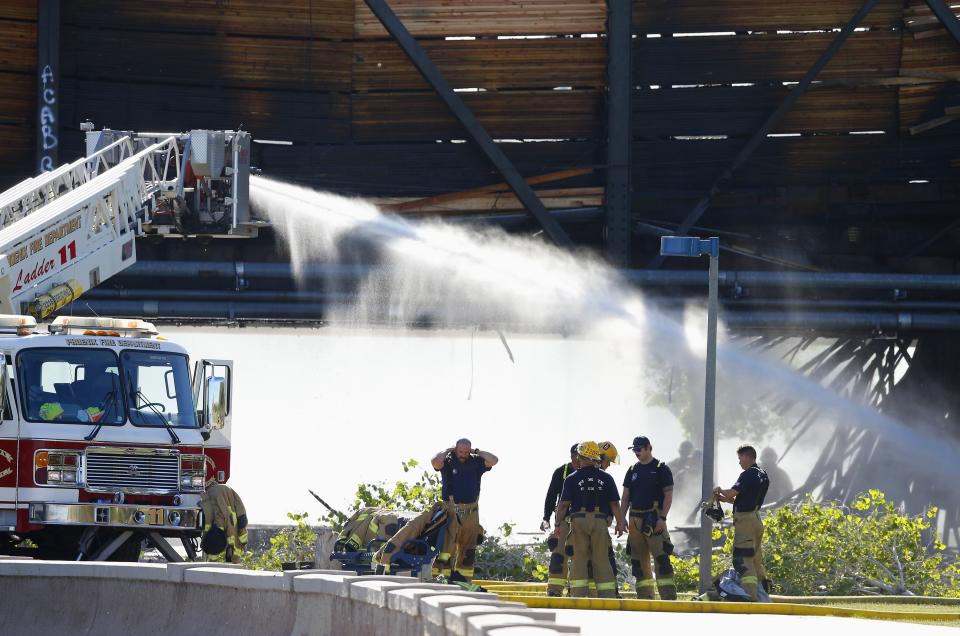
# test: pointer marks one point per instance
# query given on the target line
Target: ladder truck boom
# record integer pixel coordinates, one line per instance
(68, 230)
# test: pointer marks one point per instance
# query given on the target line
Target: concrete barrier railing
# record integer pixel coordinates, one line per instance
(212, 599)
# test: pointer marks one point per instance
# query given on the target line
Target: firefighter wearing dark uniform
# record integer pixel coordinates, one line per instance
(648, 489)
(589, 495)
(224, 523)
(557, 579)
(747, 496)
(461, 468)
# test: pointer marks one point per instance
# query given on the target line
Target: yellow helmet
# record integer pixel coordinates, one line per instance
(608, 450)
(589, 451)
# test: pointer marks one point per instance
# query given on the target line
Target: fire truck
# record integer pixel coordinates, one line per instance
(108, 438)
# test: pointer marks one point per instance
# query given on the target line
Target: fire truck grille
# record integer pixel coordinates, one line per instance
(134, 474)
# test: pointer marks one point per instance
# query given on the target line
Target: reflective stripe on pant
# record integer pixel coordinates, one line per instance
(588, 543)
(557, 577)
(592, 584)
(642, 548)
(747, 551)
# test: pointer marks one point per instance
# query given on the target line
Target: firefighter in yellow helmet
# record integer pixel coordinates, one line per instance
(224, 523)
(648, 490)
(588, 494)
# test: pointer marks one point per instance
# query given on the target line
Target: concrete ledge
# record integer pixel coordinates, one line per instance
(89, 570)
(175, 570)
(247, 579)
(483, 625)
(458, 617)
(332, 584)
(523, 631)
(207, 598)
(408, 599)
(433, 608)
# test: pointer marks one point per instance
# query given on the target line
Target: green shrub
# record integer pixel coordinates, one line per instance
(290, 545)
(871, 547)
(499, 560)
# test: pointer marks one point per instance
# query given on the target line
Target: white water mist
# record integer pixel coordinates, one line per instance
(452, 276)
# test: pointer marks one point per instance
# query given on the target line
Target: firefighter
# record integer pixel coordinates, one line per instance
(224, 523)
(648, 489)
(557, 579)
(398, 539)
(609, 455)
(747, 496)
(588, 494)
(780, 485)
(461, 468)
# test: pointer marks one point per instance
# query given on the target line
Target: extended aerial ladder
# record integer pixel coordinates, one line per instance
(66, 231)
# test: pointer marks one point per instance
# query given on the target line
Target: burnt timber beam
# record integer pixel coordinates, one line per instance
(619, 135)
(946, 16)
(771, 122)
(465, 116)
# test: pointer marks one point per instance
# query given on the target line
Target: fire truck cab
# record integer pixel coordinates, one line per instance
(106, 439)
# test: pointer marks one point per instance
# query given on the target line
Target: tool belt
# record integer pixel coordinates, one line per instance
(463, 508)
(584, 514)
(649, 518)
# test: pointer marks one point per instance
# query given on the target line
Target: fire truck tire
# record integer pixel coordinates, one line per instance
(57, 547)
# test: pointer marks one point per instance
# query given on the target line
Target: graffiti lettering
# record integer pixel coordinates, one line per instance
(47, 118)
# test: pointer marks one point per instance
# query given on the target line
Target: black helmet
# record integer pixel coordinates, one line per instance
(214, 540)
(713, 510)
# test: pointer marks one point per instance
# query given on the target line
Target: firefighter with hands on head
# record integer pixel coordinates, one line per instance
(648, 490)
(747, 496)
(557, 578)
(461, 466)
(588, 495)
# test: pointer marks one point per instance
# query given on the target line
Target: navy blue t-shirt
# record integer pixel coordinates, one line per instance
(589, 489)
(646, 483)
(751, 488)
(462, 479)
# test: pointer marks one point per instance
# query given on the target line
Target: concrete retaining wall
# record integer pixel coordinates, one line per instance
(195, 598)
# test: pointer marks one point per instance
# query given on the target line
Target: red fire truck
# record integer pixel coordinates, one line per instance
(107, 439)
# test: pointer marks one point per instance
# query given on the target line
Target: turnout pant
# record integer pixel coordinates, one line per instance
(586, 544)
(641, 548)
(747, 553)
(557, 579)
(459, 551)
(592, 583)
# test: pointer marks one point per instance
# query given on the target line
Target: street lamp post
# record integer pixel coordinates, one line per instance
(695, 247)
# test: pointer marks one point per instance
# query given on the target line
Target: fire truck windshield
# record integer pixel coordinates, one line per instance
(72, 386)
(88, 386)
(157, 388)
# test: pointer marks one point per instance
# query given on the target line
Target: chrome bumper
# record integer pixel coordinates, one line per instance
(116, 515)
